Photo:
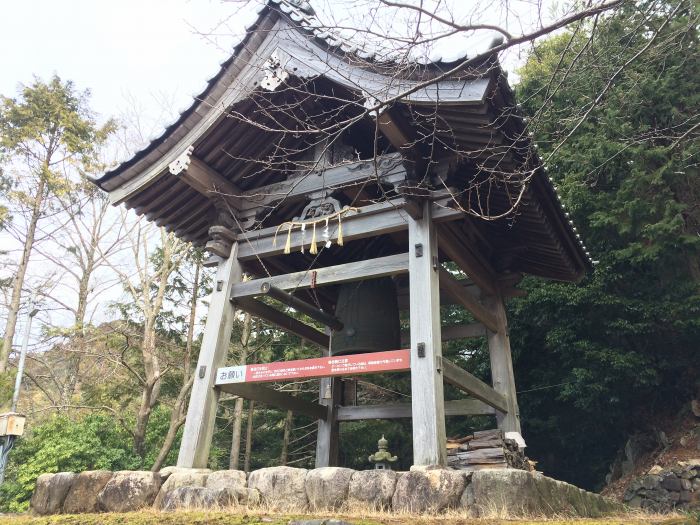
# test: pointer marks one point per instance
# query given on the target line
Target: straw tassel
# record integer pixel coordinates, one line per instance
(340, 230)
(327, 235)
(313, 250)
(288, 244)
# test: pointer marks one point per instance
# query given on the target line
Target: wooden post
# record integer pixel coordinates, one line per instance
(328, 434)
(201, 413)
(427, 397)
(502, 376)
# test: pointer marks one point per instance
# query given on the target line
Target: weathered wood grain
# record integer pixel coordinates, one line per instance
(201, 413)
(427, 393)
(341, 273)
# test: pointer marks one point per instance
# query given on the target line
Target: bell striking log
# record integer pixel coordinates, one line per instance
(369, 312)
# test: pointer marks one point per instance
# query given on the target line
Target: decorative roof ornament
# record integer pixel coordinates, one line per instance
(372, 102)
(303, 6)
(274, 74)
(383, 459)
(182, 162)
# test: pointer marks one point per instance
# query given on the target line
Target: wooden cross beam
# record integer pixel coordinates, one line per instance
(369, 221)
(459, 407)
(460, 253)
(340, 273)
(453, 287)
(449, 333)
(284, 321)
(275, 398)
(302, 306)
(387, 168)
(203, 178)
(473, 386)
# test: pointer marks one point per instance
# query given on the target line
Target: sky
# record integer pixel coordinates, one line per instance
(122, 50)
(157, 54)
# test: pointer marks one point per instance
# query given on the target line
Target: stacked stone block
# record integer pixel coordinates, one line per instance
(662, 490)
(287, 489)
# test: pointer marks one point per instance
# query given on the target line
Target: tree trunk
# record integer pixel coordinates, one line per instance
(285, 439)
(177, 419)
(249, 436)
(151, 364)
(18, 279)
(234, 457)
(288, 422)
(236, 435)
(177, 416)
(151, 390)
(73, 366)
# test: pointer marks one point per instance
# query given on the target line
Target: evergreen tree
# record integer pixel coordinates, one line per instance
(46, 128)
(599, 360)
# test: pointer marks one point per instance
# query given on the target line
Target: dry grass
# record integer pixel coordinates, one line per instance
(245, 516)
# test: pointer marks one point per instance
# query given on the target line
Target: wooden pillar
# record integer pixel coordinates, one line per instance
(502, 376)
(201, 413)
(427, 397)
(328, 436)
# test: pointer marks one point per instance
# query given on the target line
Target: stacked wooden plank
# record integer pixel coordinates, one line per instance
(486, 449)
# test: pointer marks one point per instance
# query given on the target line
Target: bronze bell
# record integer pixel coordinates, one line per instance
(369, 311)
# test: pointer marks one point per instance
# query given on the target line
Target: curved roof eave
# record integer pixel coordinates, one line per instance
(301, 18)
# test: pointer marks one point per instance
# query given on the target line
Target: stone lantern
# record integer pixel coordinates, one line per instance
(382, 459)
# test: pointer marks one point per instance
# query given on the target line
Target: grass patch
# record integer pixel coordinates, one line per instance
(233, 518)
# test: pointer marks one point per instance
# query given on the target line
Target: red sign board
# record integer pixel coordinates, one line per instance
(342, 365)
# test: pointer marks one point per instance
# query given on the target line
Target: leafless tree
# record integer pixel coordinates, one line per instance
(146, 286)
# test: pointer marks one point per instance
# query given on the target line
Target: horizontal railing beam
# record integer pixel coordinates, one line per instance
(450, 333)
(302, 306)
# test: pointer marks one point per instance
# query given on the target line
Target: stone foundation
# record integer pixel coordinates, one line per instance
(484, 493)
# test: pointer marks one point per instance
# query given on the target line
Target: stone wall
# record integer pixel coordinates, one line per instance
(504, 492)
(662, 490)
